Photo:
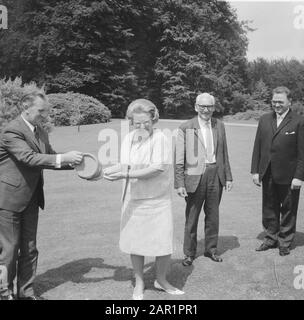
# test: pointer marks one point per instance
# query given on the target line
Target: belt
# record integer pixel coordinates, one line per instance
(210, 164)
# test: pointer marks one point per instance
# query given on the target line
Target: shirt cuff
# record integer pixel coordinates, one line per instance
(58, 161)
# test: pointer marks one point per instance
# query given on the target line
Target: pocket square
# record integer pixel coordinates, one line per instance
(290, 133)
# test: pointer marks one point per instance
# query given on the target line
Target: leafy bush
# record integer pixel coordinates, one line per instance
(298, 107)
(239, 102)
(247, 115)
(11, 92)
(77, 109)
(68, 108)
(242, 102)
(258, 108)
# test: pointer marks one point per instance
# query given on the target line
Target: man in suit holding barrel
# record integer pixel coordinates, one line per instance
(24, 152)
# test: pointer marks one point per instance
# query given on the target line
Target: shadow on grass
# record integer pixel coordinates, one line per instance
(298, 240)
(78, 272)
(177, 274)
(225, 243)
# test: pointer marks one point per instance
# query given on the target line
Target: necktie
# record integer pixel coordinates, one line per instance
(36, 134)
(209, 143)
(279, 120)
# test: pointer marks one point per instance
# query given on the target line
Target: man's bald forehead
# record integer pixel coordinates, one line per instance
(205, 99)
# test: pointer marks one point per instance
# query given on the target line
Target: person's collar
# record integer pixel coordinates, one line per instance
(28, 124)
(203, 122)
(283, 115)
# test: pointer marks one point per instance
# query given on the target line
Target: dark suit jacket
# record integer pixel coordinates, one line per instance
(190, 154)
(282, 148)
(22, 158)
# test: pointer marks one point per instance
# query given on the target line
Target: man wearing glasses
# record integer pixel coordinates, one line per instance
(202, 169)
(278, 164)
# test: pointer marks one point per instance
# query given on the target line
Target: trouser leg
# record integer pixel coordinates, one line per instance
(28, 256)
(289, 207)
(193, 208)
(211, 208)
(270, 210)
(9, 246)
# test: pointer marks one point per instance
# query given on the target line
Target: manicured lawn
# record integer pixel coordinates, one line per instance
(78, 235)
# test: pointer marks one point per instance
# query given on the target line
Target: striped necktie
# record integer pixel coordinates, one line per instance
(209, 142)
(36, 133)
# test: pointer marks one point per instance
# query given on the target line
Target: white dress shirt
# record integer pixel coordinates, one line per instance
(281, 117)
(207, 126)
(32, 128)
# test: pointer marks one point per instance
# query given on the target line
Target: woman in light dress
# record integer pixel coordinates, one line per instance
(146, 221)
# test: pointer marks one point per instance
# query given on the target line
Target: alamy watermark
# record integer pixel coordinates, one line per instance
(298, 22)
(298, 281)
(3, 17)
(111, 140)
(175, 146)
(3, 277)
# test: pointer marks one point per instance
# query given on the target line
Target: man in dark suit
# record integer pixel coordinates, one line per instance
(24, 152)
(202, 169)
(278, 163)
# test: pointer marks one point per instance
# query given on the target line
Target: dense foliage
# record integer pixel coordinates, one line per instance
(77, 109)
(67, 108)
(280, 72)
(164, 50)
(120, 50)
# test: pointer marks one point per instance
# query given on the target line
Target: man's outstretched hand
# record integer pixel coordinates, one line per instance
(72, 157)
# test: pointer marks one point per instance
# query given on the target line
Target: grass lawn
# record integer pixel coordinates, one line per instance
(78, 235)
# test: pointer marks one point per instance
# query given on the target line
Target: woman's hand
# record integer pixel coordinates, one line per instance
(115, 176)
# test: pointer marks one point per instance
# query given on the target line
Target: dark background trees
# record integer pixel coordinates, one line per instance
(118, 50)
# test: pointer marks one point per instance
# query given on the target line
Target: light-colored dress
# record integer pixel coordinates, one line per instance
(146, 220)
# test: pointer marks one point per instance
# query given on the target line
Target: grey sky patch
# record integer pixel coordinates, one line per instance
(279, 28)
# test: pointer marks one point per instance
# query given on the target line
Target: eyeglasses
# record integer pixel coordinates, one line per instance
(281, 103)
(139, 124)
(202, 107)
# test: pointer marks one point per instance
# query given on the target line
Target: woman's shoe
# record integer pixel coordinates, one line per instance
(174, 291)
(137, 297)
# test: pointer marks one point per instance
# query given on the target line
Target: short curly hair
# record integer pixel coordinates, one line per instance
(27, 100)
(282, 89)
(142, 106)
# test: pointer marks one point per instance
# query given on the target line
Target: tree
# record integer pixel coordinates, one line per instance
(119, 50)
(203, 49)
(278, 72)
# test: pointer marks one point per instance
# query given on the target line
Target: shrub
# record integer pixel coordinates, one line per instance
(77, 109)
(239, 102)
(242, 102)
(298, 107)
(247, 115)
(68, 108)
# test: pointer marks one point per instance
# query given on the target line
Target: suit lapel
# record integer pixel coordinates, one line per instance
(198, 132)
(274, 123)
(284, 122)
(29, 135)
(41, 142)
(214, 132)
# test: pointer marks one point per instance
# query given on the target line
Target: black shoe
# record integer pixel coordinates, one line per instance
(8, 297)
(31, 298)
(284, 251)
(213, 256)
(264, 247)
(187, 261)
